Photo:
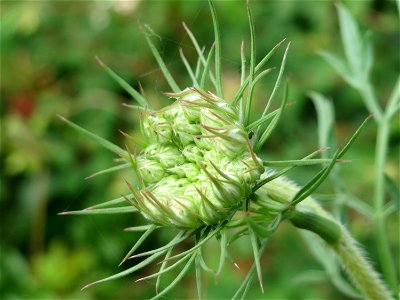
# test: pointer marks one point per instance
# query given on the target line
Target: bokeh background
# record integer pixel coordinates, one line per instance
(48, 67)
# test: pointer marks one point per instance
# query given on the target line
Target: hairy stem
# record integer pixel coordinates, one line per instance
(336, 236)
(383, 248)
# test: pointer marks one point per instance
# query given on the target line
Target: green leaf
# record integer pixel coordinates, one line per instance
(198, 50)
(102, 211)
(207, 68)
(188, 68)
(109, 170)
(218, 63)
(177, 279)
(111, 202)
(278, 80)
(273, 124)
(351, 39)
(326, 119)
(139, 228)
(139, 242)
(252, 64)
(103, 142)
(126, 86)
(266, 58)
(300, 162)
(163, 265)
(139, 266)
(257, 257)
(171, 81)
(222, 247)
(340, 67)
(199, 281)
(180, 237)
(262, 120)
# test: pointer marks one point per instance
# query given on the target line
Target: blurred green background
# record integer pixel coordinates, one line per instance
(48, 67)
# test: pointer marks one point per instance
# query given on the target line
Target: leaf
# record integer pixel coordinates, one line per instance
(393, 190)
(139, 242)
(139, 266)
(177, 279)
(326, 119)
(171, 81)
(138, 228)
(222, 247)
(300, 162)
(243, 86)
(163, 265)
(103, 142)
(199, 281)
(111, 202)
(198, 50)
(126, 86)
(109, 170)
(218, 64)
(351, 39)
(340, 67)
(188, 68)
(102, 211)
(257, 257)
(207, 68)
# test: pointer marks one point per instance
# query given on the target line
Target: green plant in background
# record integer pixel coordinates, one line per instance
(197, 170)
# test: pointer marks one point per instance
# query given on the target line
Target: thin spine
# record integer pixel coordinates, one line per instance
(207, 68)
(257, 256)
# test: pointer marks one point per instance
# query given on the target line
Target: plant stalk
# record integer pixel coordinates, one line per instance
(334, 234)
(383, 248)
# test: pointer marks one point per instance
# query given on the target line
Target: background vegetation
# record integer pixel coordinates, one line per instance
(48, 68)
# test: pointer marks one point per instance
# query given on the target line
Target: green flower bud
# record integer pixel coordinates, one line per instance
(198, 167)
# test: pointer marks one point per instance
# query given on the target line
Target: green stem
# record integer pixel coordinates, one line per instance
(311, 216)
(384, 254)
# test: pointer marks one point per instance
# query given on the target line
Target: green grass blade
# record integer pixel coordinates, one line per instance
(266, 58)
(171, 81)
(126, 86)
(101, 211)
(218, 63)
(199, 51)
(139, 266)
(139, 242)
(109, 170)
(207, 68)
(188, 68)
(103, 142)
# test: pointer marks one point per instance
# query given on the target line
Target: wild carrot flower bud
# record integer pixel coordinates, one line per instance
(198, 167)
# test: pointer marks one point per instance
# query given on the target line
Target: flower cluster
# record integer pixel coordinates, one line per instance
(198, 166)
